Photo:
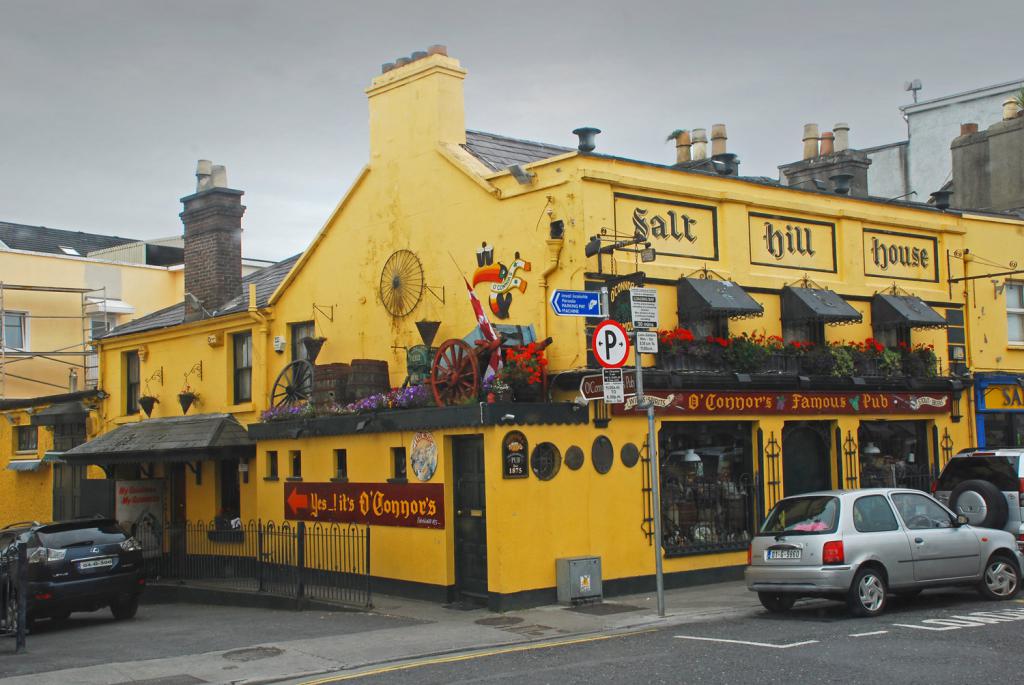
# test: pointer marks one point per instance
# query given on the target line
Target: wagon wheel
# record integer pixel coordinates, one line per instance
(455, 373)
(293, 385)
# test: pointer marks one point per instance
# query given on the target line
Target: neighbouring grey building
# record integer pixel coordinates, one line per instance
(922, 164)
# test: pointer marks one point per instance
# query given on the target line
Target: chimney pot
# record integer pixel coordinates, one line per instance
(810, 141)
(683, 147)
(438, 50)
(941, 199)
(841, 183)
(219, 176)
(1010, 109)
(204, 168)
(699, 150)
(586, 135)
(718, 139)
(842, 136)
(968, 129)
(827, 143)
(401, 62)
(419, 54)
(386, 67)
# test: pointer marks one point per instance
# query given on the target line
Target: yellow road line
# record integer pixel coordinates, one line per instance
(473, 655)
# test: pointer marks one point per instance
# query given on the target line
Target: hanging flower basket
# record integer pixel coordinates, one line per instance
(185, 399)
(147, 402)
(313, 346)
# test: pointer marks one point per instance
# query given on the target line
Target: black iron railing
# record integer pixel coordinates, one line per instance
(327, 562)
(705, 516)
(14, 593)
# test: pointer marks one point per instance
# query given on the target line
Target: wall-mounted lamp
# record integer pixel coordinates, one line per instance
(648, 254)
(954, 407)
(557, 229)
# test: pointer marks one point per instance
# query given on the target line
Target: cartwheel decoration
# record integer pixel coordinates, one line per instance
(501, 277)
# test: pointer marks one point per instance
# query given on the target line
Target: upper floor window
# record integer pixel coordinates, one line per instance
(242, 343)
(1015, 312)
(14, 331)
(301, 330)
(804, 331)
(28, 438)
(131, 382)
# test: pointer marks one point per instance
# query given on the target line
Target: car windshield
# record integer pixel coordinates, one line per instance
(1001, 471)
(62, 536)
(803, 516)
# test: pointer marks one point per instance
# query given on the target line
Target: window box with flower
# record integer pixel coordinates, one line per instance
(524, 371)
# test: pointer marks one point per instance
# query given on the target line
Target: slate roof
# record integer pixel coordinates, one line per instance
(501, 152)
(167, 439)
(50, 240)
(266, 281)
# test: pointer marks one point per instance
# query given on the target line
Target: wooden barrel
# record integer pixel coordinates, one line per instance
(367, 377)
(330, 384)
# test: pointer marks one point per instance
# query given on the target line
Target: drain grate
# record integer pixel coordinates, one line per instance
(499, 621)
(604, 609)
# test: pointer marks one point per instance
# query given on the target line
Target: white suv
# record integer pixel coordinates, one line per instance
(987, 486)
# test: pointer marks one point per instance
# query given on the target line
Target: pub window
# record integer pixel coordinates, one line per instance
(893, 336)
(14, 331)
(131, 382)
(894, 454)
(715, 327)
(295, 460)
(1015, 312)
(271, 465)
(242, 343)
(707, 486)
(398, 463)
(28, 438)
(340, 464)
(301, 330)
(228, 489)
(804, 331)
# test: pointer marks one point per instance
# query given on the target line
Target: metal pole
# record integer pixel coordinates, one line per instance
(652, 453)
(21, 588)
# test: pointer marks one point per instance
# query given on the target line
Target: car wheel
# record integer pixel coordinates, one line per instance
(124, 608)
(1001, 579)
(977, 494)
(868, 594)
(776, 602)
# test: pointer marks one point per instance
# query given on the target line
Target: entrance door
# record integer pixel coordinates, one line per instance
(805, 457)
(470, 518)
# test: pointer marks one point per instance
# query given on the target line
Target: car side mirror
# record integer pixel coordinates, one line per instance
(961, 520)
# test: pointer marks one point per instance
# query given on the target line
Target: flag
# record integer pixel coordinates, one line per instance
(487, 330)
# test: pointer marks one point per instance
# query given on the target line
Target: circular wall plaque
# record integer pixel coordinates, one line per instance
(602, 454)
(545, 461)
(574, 457)
(423, 456)
(629, 454)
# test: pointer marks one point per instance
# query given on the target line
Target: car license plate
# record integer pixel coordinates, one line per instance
(95, 563)
(772, 554)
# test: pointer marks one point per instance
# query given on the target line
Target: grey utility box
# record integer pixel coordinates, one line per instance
(579, 580)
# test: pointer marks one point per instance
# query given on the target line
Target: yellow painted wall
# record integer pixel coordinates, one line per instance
(24, 495)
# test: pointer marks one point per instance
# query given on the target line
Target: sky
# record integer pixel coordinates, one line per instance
(105, 105)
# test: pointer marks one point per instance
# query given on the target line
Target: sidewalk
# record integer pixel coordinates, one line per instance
(420, 630)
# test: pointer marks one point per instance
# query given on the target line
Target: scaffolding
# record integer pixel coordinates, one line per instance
(81, 360)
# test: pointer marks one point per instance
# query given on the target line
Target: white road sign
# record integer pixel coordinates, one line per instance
(643, 303)
(647, 342)
(614, 386)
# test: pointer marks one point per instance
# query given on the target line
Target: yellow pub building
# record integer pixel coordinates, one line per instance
(809, 340)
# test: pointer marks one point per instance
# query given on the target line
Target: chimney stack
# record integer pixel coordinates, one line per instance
(699, 149)
(810, 141)
(212, 218)
(842, 136)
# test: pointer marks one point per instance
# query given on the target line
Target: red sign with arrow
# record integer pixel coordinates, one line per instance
(415, 505)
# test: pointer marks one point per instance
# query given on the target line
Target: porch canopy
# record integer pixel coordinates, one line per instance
(62, 412)
(706, 298)
(903, 311)
(176, 439)
(819, 305)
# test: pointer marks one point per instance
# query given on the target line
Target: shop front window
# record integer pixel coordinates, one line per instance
(894, 454)
(707, 486)
(1004, 429)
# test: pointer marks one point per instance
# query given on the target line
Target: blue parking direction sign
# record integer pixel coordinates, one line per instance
(576, 303)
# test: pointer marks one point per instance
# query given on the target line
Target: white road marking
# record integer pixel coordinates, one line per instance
(745, 642)
(873, 632)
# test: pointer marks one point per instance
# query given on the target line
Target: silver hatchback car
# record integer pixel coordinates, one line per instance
(861, 545)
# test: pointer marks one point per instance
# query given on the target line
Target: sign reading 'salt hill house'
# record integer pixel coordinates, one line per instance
(672, 227)
(906, 256)
(790, 242)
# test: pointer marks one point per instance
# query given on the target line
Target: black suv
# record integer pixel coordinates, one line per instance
(80, 565)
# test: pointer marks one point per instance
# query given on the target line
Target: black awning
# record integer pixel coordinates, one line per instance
(703, 298)
(895, 311)
(61, 413)
(800, 305)
(177, 439)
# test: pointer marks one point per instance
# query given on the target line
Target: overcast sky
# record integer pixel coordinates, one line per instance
(105, 106)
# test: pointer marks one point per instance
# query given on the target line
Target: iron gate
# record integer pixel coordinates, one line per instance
(327, 562)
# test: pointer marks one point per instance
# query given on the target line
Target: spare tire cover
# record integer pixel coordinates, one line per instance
(981, 502)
